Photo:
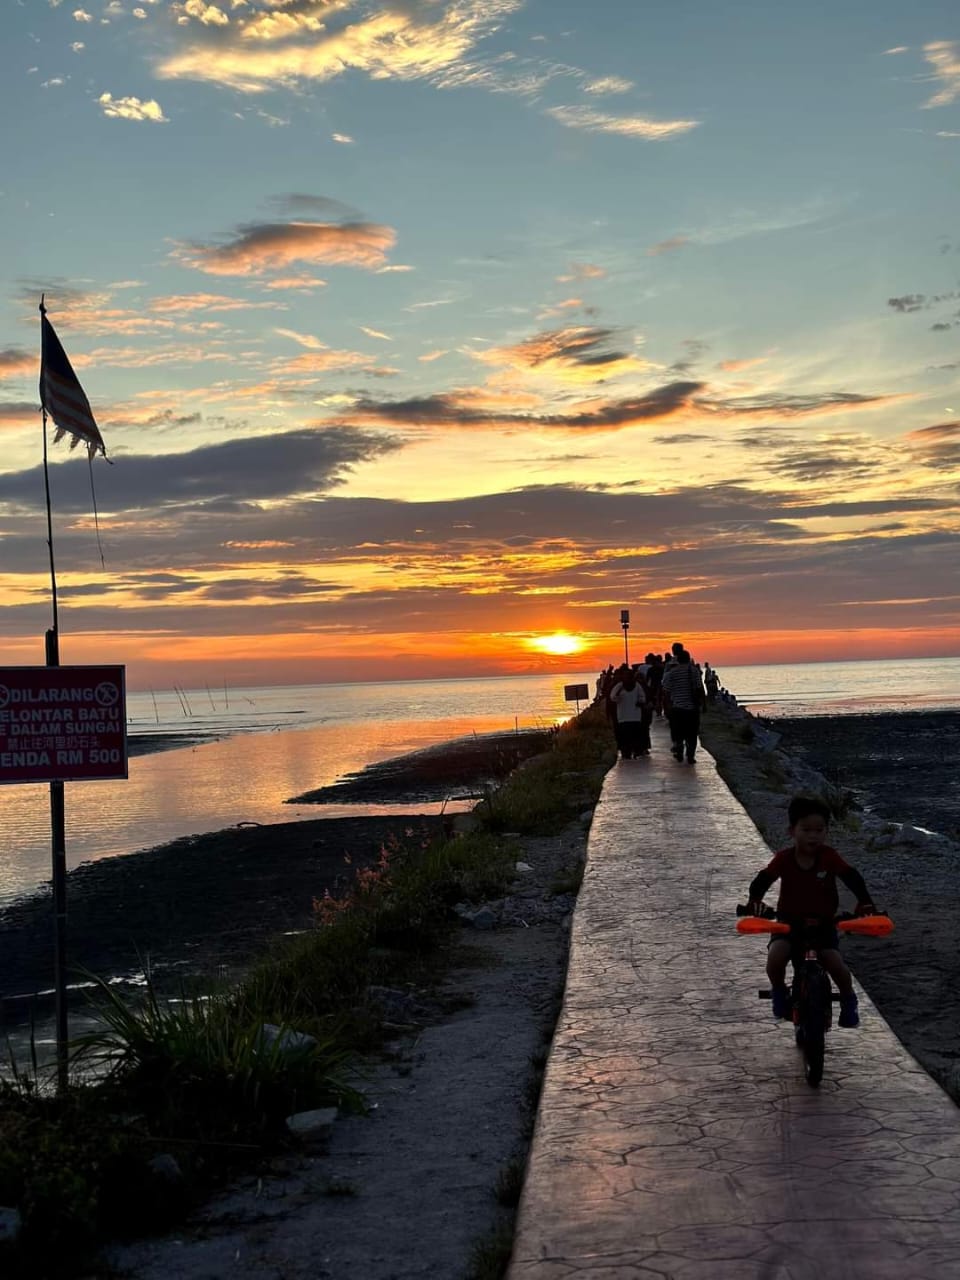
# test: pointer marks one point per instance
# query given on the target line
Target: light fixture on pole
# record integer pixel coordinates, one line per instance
(625, 623)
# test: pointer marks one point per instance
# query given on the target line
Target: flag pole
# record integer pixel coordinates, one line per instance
(57, 808)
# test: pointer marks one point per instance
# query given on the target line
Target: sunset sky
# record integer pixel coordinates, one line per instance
(421, 334)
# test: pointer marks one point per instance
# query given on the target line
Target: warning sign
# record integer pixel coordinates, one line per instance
(62, 724)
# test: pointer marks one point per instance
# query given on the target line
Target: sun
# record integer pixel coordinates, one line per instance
(559, 645)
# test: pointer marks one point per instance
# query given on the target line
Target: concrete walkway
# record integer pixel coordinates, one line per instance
(676, 1137)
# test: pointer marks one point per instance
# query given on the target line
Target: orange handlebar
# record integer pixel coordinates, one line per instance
(760, 924)
(862, 926)
(867, 926)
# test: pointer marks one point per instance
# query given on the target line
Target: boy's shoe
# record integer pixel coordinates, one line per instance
(849, 1011)
(677, 754)
(781, 1001)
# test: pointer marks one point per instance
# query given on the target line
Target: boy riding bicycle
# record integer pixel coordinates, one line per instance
(808, 871)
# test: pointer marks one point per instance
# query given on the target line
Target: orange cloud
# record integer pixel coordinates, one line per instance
(580, 353)
(737, 366)
(330, 361)
(270, 246)
(206, 302)
(295, 282)
(933, 435)
(14, 362)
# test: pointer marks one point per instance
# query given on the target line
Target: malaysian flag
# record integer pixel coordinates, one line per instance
(62, 395)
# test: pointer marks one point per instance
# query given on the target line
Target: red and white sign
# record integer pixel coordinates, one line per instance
(62, 724)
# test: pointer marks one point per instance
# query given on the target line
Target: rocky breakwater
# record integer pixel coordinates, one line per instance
(913, 977)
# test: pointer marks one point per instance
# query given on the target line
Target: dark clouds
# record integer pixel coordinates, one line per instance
(235, 472)
(453, 410)
(709, 556)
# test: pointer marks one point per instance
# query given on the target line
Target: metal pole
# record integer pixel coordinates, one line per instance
(58, 839)
(58, 845)
(626, 650)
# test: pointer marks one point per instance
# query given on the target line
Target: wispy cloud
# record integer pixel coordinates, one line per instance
(408, 41)
(670, 245)
(257, 248)
(608, 84)
(306, 340)
(580, 353)
(187, 302)
(944, 57)
(473, 408)
(591, 121)
(582, 271)
(132, 109)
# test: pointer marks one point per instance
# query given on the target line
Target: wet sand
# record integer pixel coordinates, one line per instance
(455, 770)
(204, 905)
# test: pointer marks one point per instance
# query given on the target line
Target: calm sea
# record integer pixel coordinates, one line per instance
(265, 745)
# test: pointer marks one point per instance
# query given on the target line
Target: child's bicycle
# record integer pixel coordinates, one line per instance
(810, 1002)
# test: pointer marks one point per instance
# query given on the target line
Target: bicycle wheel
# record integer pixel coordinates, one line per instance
(812, 1022)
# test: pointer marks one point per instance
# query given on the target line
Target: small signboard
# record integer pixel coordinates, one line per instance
(62, 724)
(576, 692)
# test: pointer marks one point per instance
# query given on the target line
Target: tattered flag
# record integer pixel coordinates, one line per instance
(62, 395)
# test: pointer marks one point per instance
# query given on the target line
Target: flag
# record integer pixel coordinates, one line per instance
(62, 395)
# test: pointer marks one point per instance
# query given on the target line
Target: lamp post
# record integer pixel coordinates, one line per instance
(625, 623)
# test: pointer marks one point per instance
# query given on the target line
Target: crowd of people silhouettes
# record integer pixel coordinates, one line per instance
(671, 685)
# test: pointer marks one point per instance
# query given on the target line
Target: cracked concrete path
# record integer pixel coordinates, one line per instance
(676, 1136)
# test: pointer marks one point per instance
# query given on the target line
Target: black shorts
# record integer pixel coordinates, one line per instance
(824, 937)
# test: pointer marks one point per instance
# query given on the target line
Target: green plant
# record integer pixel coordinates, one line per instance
(200, 1068)
(538, 797)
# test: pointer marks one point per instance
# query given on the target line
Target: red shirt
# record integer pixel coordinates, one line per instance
(811, 892)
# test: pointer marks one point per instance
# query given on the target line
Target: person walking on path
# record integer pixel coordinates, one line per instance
(632, 728)
(711, 682)
(682, 690)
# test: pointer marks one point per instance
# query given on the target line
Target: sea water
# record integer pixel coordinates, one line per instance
(259, 747)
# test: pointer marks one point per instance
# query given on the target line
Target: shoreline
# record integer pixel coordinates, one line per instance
(207, 905)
